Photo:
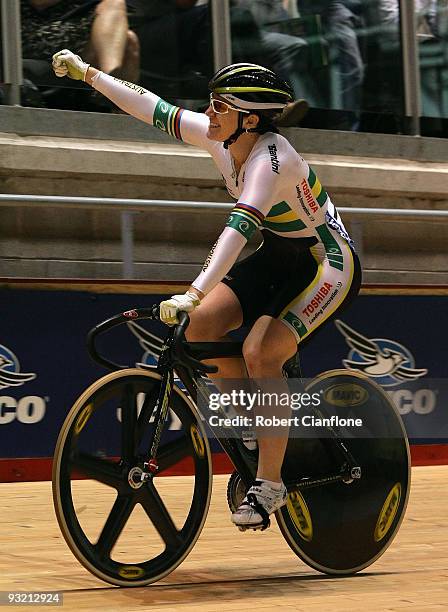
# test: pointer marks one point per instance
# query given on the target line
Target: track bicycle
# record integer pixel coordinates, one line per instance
(347, 494)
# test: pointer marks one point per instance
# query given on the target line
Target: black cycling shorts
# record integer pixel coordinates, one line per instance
(285, 279)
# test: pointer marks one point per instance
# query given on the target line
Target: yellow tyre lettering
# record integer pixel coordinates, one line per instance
(388, 512)
(300, 515)
(83, 418)
(346, 395)
(131, 571)
(198, 442)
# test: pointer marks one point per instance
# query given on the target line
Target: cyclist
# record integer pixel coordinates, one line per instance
(306, 268)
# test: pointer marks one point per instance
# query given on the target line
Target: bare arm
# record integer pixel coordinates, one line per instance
(200, 295)
(91, 72)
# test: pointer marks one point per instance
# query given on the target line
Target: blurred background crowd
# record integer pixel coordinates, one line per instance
(344, 57)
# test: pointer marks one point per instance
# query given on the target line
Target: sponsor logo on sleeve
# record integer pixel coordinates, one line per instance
(209, 257)
(304, 206)
(331, 222)
(137, 88)
(312, 204)
(275, 164)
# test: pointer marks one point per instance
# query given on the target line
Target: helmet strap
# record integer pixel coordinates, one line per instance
(237, 133)
(263, 129)
(260, 129)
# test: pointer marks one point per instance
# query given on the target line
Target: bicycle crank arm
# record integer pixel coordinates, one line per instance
(348, 475)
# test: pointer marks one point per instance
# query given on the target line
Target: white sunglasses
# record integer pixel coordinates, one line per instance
(221, 108)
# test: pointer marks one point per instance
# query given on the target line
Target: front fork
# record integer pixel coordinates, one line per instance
(150, 466)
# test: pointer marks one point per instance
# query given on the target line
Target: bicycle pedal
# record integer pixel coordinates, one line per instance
(259, 527)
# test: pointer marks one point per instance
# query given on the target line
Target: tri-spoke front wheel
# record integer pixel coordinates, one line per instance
(125, 531)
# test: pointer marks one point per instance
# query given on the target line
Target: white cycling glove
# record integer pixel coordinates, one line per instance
(66, 63)
(186, 302)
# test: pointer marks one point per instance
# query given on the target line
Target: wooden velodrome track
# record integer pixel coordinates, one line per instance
(229, 570)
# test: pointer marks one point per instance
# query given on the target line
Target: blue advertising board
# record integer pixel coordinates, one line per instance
(398, 340)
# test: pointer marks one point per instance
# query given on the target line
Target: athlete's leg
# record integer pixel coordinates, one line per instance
(269, 344)
(219, 313)
(108, 38)
(131, 61)
(267, 347)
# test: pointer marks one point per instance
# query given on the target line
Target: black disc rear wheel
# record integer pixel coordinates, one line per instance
(125, 531)
(341, 528)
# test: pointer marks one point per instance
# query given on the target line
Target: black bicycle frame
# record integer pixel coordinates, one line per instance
(188, 367)
(233, 446)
